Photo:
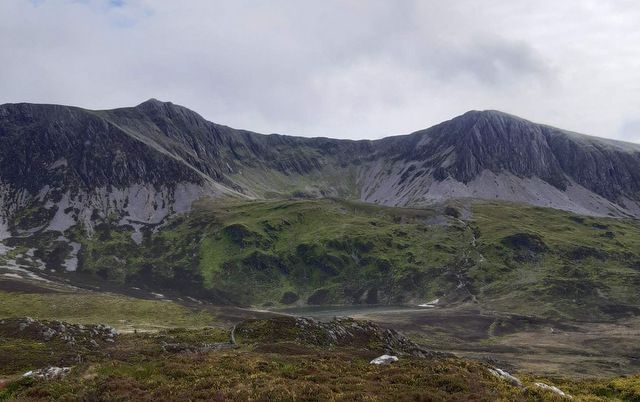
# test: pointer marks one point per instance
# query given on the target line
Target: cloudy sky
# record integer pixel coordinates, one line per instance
(350, 69)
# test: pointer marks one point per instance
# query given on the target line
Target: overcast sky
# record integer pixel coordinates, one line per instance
(348, 69)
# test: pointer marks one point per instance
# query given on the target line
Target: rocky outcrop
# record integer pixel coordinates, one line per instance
(48, 373)
(65, 156)
(71, 335)
(345, 332)
(493, 155)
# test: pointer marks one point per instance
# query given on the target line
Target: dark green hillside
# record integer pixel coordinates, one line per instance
(294, 252)
(285, 252)
(537, 260)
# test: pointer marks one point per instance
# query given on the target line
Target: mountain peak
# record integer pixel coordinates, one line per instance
(153, 104)
(153, 101)
(491, 115)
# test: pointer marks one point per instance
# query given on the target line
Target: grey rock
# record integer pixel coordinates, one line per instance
(384, 360)
(505, 376)
(48, 373)
(553, 389)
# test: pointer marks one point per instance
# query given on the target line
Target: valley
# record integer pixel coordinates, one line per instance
(590, 361)
(137, 242)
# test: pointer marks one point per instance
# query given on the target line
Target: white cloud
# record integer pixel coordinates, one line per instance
(352, 69)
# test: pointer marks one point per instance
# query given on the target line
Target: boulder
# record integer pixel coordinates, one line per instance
(506, 376)
(553, 389)
(48, 373)
(384, 359)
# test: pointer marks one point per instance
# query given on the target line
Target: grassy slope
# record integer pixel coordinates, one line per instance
(506, 257)
(85, 308)
(585, 267)
(252, 253)
(337, 252)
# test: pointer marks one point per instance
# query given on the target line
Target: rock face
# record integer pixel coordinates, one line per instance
(493, 155)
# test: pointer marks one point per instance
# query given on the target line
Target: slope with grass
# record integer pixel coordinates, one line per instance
(500, 256)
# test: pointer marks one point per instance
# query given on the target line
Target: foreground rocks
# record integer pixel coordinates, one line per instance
(89, 336)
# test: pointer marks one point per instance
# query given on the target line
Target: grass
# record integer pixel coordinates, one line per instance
(588, 269)
(118, 311)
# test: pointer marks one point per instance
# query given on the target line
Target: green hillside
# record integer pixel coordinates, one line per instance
(498, 256)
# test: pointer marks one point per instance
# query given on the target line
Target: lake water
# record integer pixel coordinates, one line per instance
(328, 312)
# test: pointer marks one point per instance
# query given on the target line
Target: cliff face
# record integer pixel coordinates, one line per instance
(493, 155)
(147, 162)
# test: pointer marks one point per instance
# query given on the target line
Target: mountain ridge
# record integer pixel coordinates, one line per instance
(156, 197)
(108, 160)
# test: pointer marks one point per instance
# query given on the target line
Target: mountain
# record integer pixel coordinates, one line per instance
(101, 193)
(149, 161)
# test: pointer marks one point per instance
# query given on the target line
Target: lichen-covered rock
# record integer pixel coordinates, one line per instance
(48, 373)
(89, 336)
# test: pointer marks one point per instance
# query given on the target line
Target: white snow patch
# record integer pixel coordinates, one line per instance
(158, 295)
(36, 261)
(194, 300)
(4, 249)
